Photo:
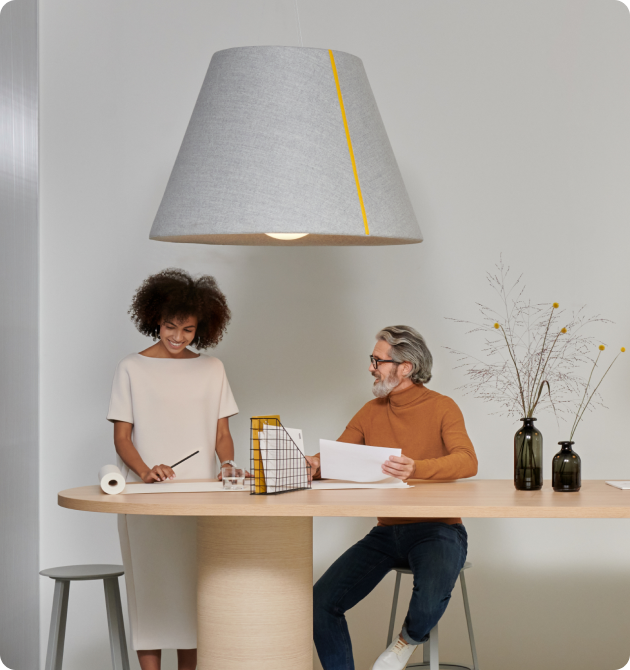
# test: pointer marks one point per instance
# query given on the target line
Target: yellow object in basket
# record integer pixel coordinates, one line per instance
(260, 486)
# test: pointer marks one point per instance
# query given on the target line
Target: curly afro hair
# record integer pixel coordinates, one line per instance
(174, 294)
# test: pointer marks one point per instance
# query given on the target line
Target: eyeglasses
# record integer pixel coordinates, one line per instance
(376, 361)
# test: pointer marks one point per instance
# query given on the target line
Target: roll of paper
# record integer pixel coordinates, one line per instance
(111, 480)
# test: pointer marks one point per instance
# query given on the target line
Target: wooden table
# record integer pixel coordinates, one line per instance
(255, 553)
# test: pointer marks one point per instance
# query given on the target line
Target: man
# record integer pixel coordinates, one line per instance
(429, 429)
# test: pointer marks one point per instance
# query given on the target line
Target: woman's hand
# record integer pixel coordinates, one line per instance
(400, 467)
(158, 473)
(315, 464)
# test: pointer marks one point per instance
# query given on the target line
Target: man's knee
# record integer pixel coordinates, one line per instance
(324, 604)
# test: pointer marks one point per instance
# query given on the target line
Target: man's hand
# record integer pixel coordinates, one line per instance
(314, 462)
(400, 467)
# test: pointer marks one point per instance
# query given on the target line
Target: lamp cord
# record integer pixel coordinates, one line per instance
(297, 12)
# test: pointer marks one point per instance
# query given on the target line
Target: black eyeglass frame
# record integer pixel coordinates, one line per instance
(376, 361)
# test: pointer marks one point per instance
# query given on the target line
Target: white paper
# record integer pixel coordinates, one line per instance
(183, 486)
(282, 467)
(329, 484)
(353, 462)
(620, 485)
(111, 480)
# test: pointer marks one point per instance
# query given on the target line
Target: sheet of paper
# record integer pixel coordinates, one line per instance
(353, 462)
(296, 435)
(184, 486)
(333, 484)
(283, 464)
(620, 485)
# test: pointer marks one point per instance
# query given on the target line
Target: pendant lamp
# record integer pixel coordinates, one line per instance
(286, 147)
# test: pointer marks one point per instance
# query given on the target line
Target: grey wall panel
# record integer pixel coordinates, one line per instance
(19, 443)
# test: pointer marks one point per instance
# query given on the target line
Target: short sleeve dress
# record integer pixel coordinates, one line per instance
(174, 406)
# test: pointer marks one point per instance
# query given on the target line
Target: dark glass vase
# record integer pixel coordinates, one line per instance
(528, 464)
(566, 470)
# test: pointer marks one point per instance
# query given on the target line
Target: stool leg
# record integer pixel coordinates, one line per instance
(57, 635)
(392, 620)
(117, 639)
(434, 649)
(471, 635)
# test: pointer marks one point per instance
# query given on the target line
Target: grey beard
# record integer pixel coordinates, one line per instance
(383, 388)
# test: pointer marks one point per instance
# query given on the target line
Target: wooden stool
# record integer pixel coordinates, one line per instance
(63, 576)
(430, 653)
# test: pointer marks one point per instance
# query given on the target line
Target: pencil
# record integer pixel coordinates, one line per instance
(185, 459)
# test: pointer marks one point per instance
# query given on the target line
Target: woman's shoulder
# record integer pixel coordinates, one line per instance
(211, 361)
(125, 368)
(128, 361)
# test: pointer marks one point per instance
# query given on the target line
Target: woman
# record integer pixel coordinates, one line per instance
(167, 402)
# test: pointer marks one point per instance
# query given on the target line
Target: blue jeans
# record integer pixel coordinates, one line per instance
(434, 551)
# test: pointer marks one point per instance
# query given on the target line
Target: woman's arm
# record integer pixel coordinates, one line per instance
(224, 443)
(131, 458)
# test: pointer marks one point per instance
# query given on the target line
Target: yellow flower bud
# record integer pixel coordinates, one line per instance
(556, 305)
(601, 347)
(496, 325)
(564, 330)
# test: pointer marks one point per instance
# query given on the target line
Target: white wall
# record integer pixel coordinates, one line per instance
(509, 121)
(19, 366)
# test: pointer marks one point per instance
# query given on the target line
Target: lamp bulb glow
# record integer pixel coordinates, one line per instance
(286, 236)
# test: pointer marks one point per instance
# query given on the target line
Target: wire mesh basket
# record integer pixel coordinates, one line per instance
(276, 462)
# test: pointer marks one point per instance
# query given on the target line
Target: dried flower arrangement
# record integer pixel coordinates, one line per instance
(532, 352)
(585, 401)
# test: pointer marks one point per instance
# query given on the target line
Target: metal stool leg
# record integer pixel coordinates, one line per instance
(56, 637)
(392, 620)
(471, 635)
(434, 649)
(117, 639)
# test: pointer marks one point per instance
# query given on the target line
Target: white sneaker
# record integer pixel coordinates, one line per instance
(396, 656)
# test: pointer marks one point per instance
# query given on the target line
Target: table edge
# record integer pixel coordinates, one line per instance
(362, 510)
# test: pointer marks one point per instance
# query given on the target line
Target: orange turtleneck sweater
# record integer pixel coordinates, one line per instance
(427, 426)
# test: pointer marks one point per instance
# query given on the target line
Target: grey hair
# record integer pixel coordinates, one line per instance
(408, 346)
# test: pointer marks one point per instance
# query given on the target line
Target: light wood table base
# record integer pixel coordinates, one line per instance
(255, 593)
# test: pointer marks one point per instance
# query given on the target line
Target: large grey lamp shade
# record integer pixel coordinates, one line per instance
(286, 140)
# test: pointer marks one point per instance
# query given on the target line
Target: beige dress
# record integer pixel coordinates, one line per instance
(174, 406)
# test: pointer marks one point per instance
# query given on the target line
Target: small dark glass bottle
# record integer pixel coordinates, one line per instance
(528, 465)
(566, 469)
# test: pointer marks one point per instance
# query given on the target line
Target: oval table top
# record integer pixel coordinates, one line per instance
(490, 498)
